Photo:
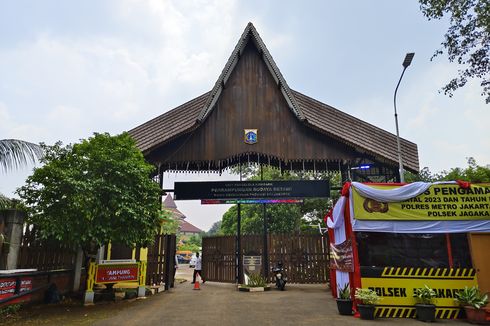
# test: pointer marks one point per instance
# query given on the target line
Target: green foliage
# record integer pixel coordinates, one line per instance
(425, 295)
(11, 203)
(282, 218)
(256, 280)
(473, 173)
(215, 229)
(193, 243)
(195, 239)
(9, 310)
(344, 292)
(94, 192)
(466, 41)
(367, 296)
(169, 225)
(472, 297)
(5, 202)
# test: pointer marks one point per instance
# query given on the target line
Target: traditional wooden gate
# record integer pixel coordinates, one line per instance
(305, 257)
(161, 261)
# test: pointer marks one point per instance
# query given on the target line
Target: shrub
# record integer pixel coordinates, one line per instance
(472, 297)
(256, 280)
(367, 296)
(425, 295)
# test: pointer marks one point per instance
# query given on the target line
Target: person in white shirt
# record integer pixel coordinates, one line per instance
(197, 269)
(176, 266)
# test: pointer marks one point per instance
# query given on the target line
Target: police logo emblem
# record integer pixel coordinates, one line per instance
(250, 136)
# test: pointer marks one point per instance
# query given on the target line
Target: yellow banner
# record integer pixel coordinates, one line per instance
(439, 202)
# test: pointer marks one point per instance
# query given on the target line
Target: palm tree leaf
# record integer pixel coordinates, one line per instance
(5, 202)
(16, 153)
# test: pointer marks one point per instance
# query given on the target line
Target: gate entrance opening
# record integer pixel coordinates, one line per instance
(253, 192)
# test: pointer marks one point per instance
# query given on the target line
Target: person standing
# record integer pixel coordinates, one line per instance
(176, 266)
(197, 269)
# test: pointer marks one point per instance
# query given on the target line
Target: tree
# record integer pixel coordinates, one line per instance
(473, 173)
(94, 192)
(193, 243)
(15, 153)
(467, 40)
(169, 225)
(215, 229)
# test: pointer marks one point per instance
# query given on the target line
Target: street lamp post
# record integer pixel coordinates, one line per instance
(405, 64)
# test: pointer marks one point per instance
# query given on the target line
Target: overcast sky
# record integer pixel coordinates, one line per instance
(71, 68)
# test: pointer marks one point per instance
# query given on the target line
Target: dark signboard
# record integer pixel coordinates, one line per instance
(251, 189)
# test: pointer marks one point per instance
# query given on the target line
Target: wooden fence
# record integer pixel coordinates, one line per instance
(51, 255)
(304, 257)
(161, 261)
(42, 254)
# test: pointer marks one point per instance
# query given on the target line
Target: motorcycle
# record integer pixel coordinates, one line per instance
(281, 277)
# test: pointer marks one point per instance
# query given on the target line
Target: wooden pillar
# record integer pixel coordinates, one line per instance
(238, 245)
(238, 253)
(160, 182)
(169, 262)
(265, 247)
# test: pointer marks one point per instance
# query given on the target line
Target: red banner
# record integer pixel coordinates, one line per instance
(341, 256)
(116, 273)
(7, 288)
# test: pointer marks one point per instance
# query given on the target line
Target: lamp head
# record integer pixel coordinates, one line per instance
(408, 59)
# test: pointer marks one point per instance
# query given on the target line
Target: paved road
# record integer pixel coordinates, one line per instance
(221, 304)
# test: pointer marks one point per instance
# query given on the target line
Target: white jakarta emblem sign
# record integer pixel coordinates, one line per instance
(250, 136)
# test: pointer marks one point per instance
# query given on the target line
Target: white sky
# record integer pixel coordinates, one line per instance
(68, 69)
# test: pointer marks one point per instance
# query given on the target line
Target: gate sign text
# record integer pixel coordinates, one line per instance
(112, 273)
(252, 189)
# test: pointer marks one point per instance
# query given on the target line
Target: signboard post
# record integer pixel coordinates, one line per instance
(252, 264)
(115, 272)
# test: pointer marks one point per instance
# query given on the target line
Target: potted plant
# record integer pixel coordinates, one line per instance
(426, 309)
(344, 301)
(255, 283)
(368, 299)
(473, 302)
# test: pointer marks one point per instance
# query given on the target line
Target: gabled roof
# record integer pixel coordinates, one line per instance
(188, 227)
(169, 125)
(343, 127)
(355, 132)
(250, 34)
(169, 204)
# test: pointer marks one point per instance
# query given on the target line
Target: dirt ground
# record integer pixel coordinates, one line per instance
(71, 311)
(213, 304)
